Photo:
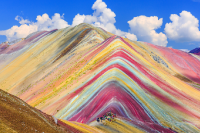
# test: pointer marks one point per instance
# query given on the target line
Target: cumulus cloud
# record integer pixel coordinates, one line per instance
(183, 28)
(43, 23)
(102, 17)
(144, 27)
(78, 19)
(16, 32)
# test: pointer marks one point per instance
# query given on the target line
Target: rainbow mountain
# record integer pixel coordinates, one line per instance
(78, 74)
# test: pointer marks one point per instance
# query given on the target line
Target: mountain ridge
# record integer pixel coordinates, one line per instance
(195, 51)
(80, 73)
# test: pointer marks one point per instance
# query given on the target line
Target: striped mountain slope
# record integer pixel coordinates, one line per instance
(79, 73)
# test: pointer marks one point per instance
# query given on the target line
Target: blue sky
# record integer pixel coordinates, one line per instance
(183, 34)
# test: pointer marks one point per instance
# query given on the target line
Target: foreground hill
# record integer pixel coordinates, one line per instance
(80, 73)
(18, 116)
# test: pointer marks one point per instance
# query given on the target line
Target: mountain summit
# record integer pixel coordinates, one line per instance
(80, 73)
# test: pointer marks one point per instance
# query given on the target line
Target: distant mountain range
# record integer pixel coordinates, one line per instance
(195, 51)
(80, 73)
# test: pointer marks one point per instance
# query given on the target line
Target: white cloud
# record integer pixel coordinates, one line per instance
(185, 50)
(16, 32)
(102, 17)
(43, 23)
(183, 28)
(21, 20)
(78, 19)
(144, 27)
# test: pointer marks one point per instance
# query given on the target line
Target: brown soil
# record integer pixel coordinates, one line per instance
(183, 78)
(17, 116)
(74, 43)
